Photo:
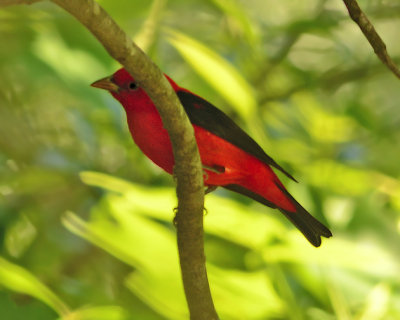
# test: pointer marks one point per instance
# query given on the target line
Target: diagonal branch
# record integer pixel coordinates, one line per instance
(370, 33)
(187, 169)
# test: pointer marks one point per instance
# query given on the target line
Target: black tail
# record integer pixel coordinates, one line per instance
(311, 228)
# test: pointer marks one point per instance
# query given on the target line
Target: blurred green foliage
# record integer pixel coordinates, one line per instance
(86, 220)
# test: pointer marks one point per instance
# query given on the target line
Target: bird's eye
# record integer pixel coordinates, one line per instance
(133, 86)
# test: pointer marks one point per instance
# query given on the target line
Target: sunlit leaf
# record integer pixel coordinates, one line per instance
(338, 177)
(66, 61)
(338, 253)
(20, 280)
(145, 37)
(244, 295)
(236, 11)
(376, 306)
(141, 242)
(226, 218)
(20, 236)
(97, 313)
(218, 72)
(320, 123)
(327, 111)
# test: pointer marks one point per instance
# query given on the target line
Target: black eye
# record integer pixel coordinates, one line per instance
(133, 86)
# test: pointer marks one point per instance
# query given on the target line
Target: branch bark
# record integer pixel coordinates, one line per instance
(359, 17)
(188, 170)
(5, 3)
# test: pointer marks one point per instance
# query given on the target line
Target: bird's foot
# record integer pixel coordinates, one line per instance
(175, 220)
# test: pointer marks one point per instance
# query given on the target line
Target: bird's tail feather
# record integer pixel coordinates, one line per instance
(311, 228)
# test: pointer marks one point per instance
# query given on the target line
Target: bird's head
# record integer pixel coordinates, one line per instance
(123, 88)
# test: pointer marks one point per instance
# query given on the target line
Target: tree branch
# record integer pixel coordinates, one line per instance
(190, 190)
(359, 17)
(5, 3)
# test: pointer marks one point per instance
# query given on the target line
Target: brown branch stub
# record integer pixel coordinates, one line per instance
(188, 170)
(359, 17)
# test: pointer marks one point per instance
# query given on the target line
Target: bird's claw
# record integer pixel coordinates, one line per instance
(175, 220)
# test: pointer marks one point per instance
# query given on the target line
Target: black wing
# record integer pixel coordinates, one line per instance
(205, 115)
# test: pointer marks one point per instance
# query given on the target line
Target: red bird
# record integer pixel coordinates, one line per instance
(230, 157)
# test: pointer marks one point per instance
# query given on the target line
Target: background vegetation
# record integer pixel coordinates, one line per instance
(85, 218)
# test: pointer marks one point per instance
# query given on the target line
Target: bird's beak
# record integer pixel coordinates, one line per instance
(106, 84)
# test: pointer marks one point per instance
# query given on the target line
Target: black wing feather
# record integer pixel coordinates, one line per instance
(204, 114)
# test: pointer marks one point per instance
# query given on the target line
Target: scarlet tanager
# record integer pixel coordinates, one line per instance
(230, 157)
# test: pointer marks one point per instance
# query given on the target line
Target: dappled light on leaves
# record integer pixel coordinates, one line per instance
(86, 221)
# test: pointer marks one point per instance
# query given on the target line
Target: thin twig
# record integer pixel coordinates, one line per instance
(329, 81)
(187, 168)
(370, 33)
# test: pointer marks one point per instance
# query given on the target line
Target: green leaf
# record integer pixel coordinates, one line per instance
(236, 11)
(144, 245)
(146, 36)
(124, 226)
(338, 253)
(20, 280)
(217, 71)
(377, 303)
(97, 313)
(226, 218)
(67, 62)
(20, 236)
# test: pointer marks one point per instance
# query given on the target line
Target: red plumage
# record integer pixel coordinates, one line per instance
(230, 158)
